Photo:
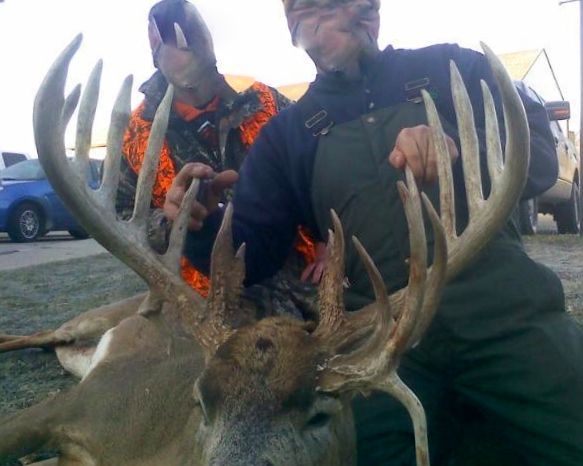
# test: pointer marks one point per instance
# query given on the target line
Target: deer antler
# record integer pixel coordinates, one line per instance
(95, 209)
(368, 344)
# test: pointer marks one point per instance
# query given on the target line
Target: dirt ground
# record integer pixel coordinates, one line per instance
(41, 297)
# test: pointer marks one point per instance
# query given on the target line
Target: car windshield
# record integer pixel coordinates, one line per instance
(22, 171)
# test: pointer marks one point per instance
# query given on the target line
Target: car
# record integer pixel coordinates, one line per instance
(29, 206)
(8, 158)
(562, 199)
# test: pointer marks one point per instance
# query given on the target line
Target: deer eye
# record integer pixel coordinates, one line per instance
(322, 412)
(319, 420)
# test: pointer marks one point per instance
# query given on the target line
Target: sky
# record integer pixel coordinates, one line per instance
(251, 38)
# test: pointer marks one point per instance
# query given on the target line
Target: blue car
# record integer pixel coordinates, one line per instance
(30, 208)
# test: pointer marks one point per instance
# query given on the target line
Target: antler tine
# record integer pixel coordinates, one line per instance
(331, 289)
(147, 176)
(95, 210)
(395, 387)
(378, 285)
(436, 277)
(85, 120)
(414, 293)
(493, 144)
(120, 115)
(511, 182)
(470, 151)
(179, 229)
(444, 172)
(227, 275)
(487, 217)
(382, 323)
(371, 361)
(71, 104)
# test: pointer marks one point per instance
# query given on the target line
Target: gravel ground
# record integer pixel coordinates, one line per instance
(45, 296)
(563, 254)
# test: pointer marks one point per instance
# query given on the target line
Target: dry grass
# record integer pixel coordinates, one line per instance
(43, 297)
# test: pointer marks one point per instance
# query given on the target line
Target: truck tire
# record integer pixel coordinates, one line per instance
(528, 216)
(567, 213)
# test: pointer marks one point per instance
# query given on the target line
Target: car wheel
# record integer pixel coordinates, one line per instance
(567, 214)
(26, 223)
(78, 233)
(528, 216)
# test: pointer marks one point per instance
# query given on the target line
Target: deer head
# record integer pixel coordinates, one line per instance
(276, 391)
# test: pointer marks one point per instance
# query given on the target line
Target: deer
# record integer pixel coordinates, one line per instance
(75, 341)
(189, 381)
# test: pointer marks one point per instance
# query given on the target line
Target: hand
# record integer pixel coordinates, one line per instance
(314, 271)
(199, 212)
(414, 147)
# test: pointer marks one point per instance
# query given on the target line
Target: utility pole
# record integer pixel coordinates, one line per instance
(561, 2)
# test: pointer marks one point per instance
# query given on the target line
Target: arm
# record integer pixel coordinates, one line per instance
(265, 217)
(544, 165)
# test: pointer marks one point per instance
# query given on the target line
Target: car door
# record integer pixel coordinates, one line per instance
(563, 153)
(59, 214)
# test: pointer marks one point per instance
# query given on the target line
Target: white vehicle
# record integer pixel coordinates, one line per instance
(562, 199)
(8, 158)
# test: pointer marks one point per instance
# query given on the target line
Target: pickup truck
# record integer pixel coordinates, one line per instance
(562, 199)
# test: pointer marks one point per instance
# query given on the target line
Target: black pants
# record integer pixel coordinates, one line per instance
(515, 398)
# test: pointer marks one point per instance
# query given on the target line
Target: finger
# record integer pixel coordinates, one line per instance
(452, 149)
(174, 196)
(397, 158)
(408, 142)
(198, 212)
(318, 272)
(195, 225)
(223, 181)
(430, 161)
(219, 183)
(307, 272)
(190, 171)
(170, 211)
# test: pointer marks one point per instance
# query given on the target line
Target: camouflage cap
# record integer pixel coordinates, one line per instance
(165, 14)
(289, 4)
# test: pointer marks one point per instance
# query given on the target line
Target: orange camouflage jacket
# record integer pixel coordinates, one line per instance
(192, 136)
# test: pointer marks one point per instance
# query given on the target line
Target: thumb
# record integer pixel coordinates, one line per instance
(223, 181)
(396, 158)
(219, 183)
